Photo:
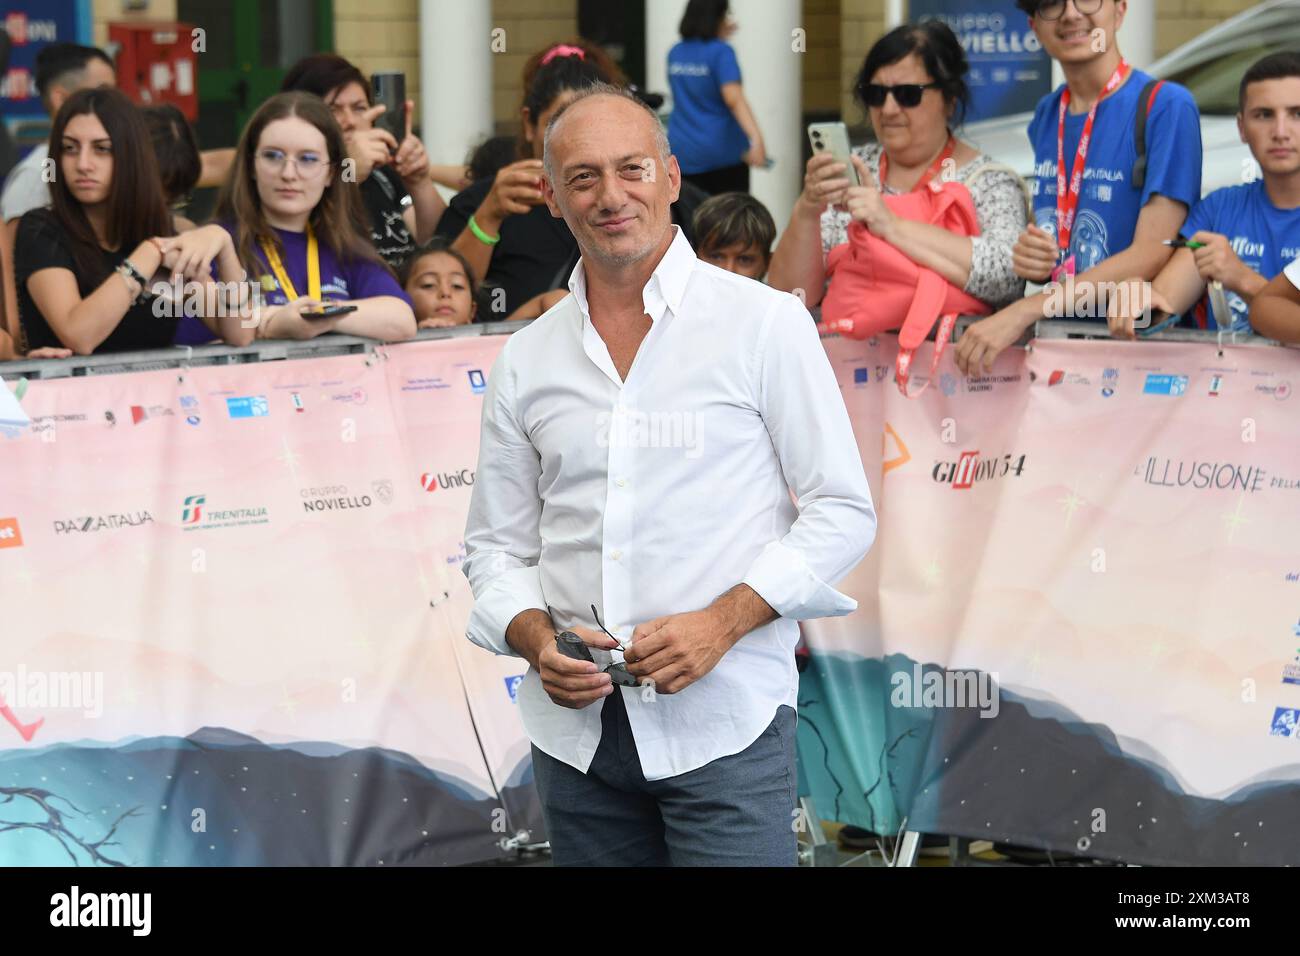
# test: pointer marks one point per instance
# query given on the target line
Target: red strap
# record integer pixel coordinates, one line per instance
(903, 366)
(1151, 101)
(1067, 196)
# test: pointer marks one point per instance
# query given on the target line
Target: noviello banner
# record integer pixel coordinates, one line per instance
(234, 613)
(233, 621)
(1079, 628)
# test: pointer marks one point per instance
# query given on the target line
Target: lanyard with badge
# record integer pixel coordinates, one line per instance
(1067, 199)
(313, 268)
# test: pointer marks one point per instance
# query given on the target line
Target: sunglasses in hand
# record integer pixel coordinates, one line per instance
(571, 645)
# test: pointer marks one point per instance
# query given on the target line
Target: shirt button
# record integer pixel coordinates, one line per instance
(616, 554)
(621, 482)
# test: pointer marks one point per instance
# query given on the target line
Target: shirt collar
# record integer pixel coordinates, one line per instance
(667, 283)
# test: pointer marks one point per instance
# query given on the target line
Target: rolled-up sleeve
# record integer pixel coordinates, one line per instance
(502, 538)
(805, 416)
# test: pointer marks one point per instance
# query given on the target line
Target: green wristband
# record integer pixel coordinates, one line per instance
(481, 235)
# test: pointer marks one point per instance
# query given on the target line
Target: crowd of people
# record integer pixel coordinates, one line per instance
(327, 222)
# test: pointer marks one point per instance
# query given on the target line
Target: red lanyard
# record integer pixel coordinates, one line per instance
(1067, 201)
(935, 168)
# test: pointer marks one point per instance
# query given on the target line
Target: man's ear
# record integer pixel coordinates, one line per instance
(548, 193)
(674, 179)
(1241, 127)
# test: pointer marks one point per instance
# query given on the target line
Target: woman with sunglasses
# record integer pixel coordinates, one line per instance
(913, 87)
(301, 232)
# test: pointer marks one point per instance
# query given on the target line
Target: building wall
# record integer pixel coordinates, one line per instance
(821, 62)
(1178, 21)
(104, 12)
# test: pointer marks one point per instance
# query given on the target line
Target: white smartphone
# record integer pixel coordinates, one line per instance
(833, 138)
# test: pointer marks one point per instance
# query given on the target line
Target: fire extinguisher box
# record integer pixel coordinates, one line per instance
(156, 63)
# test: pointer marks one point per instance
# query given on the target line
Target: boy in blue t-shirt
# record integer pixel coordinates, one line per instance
(1114, 229)
(1247, 233)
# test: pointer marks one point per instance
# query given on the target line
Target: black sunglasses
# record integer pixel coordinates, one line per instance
(906, 95)
(571, 645)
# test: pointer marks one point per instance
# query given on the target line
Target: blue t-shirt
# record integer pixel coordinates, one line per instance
(1264, 237)
(1108, 203)
(359, 279)
(702, 131)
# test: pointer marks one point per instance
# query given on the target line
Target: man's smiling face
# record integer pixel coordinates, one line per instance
(606, 178)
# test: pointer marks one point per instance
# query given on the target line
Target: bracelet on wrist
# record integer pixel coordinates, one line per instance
(482, 236)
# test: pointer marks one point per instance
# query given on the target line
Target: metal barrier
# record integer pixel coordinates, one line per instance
(333, 344)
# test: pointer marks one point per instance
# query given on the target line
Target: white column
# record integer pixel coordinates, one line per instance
(661, 20)
(895, 15)
(771, 75)
(455, 105)
(1137, 37)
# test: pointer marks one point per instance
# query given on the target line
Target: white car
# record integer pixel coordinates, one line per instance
(1210, 66)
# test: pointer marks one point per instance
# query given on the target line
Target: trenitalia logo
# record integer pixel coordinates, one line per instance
(970, 468)
(193, 512)
(430, 481)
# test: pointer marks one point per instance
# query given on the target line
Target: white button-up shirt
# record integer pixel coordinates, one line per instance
(654, 496)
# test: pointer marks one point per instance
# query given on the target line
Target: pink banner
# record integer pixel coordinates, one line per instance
(1102, 535)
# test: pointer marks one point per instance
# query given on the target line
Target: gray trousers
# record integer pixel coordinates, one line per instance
(735, 811)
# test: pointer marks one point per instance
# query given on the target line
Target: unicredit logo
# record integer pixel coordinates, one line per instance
(431, 481)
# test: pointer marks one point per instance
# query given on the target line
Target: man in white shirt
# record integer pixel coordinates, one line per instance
(641, 445)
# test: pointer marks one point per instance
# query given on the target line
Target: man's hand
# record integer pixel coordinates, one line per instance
(1034, 255)
(573, 683)
(674, 652)
(1217, 261)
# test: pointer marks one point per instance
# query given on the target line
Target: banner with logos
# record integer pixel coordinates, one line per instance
(234, 613)
(1079, 628)
(234, 620)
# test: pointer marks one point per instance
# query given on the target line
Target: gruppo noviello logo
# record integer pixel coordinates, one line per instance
(432, 481)
(1290, 670)
(1285, 720)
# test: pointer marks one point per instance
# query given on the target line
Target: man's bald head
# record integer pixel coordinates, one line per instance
(602, 91)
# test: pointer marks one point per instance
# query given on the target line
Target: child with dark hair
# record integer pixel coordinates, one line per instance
(441, 285)
(734, 231)
(83, 266)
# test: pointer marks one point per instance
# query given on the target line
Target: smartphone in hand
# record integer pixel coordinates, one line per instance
(330, 312)
(390, 90)
(833, 138)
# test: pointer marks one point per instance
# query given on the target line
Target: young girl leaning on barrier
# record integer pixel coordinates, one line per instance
(298, 226)
(92, 270)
